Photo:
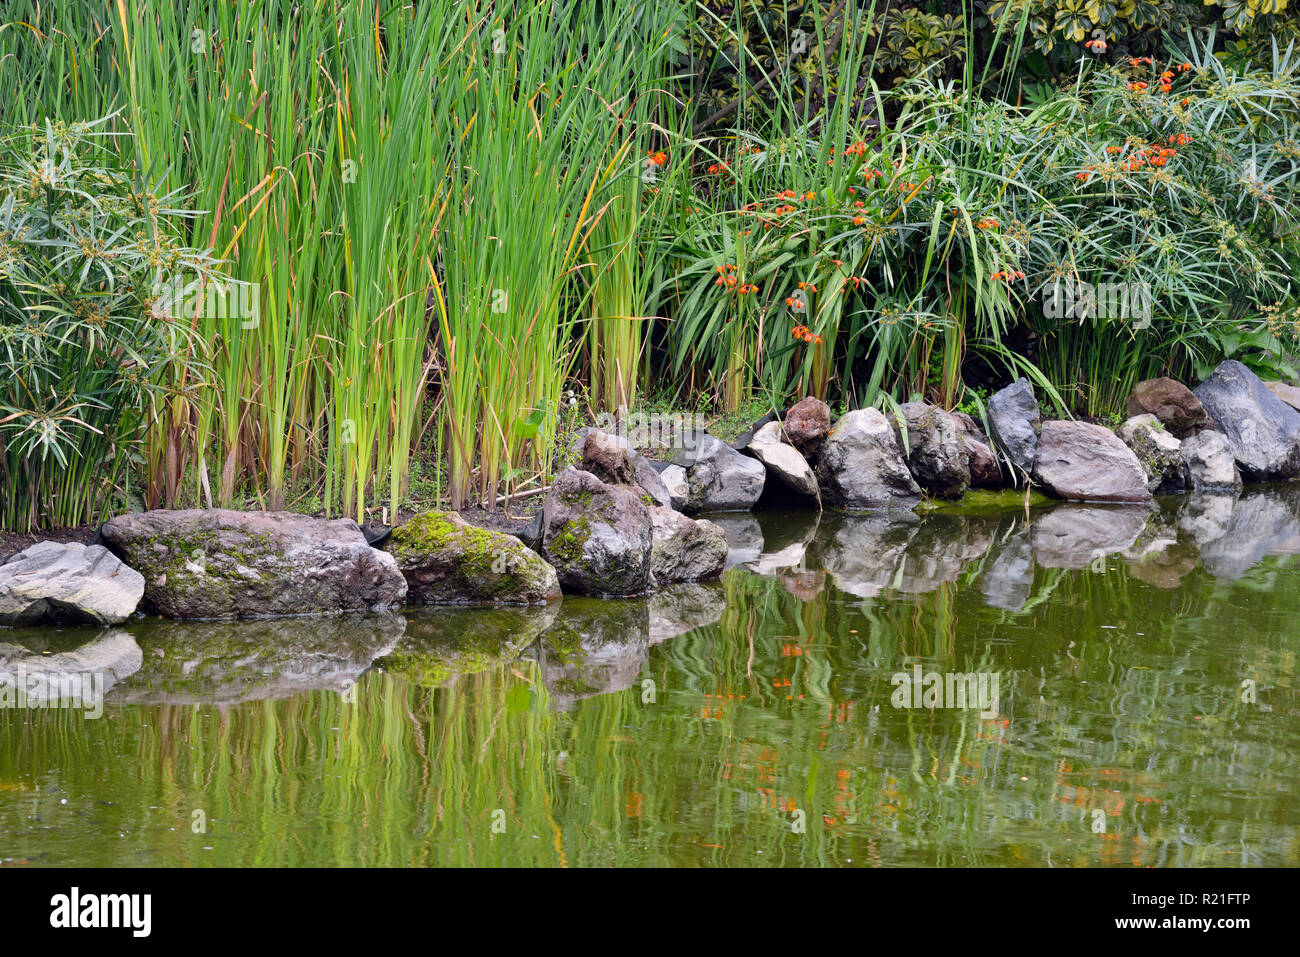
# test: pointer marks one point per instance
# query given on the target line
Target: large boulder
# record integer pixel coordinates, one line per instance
(448, 561)
(1172, 403)
(1207, 457)
(217, 563)
(598, 536)
(1157, 451)
(612, 460)
(720, 479)
(807, 425)
(985, 471)
(68, 584)
(1082, 462)
(787, 469)
(936, 452)
(1014, 419)
(1264, 431)
(684, 549)
(862, 467)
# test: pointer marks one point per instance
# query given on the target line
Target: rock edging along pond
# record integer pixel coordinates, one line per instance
(608, 527)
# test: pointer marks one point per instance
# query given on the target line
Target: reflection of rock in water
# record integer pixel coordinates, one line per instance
(112, 655)
(1008, 578)
(229, 662)
(678, 609)
(600, 646)
(440, 645)
(941, 549)
(861, 554)
(784, 542)
(744, 537)
(1075, 536)
(1261, 522)
(1160, 556)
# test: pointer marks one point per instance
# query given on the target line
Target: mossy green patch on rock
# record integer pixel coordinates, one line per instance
(447, 560)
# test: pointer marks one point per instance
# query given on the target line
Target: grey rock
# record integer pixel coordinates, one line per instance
(1158, 452)
(218, 563)
(787, 469)
(53, 583)
(1008, 578)
(721, 479)
(862, 467)
(1287, 393)
(936, 452)
(981, 460)
(684, 549)
(1264, 431)
(744, 538)
(678, 489)
(1211, 466)
(1082, 462)
(1014, 418)
(597, 535)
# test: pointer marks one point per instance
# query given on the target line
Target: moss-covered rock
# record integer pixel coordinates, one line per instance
(448, 561)
(217, 563)
(597, 535)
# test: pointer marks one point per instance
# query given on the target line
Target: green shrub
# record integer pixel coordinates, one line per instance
(88, 349)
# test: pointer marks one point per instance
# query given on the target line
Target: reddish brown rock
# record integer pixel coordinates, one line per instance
(1172, 403)
(806, 426)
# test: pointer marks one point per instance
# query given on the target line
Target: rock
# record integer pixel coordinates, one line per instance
(787, 469)
(1014, 419)
(745, 438)
(612, 459)
(807, 425)
(217, 563)
(608, 457)
(1157, 451)
(683, 549)
(674, 481)
(721, 479)
(936, 454)
(1287, 393)
(67, 584)
(1082, 462)
(224, 663)
(448, 561)
(1172, 403)
(862, 467)
(598, 536)
(1209, 462)
(1264, 431)
(981, 460)
(81, 676)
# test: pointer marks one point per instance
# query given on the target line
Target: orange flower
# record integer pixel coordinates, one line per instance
(658, 157)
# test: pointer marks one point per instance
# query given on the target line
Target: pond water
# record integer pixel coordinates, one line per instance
(1146, 711)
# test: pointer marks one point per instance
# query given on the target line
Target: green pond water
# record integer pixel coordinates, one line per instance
(1146, 713)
